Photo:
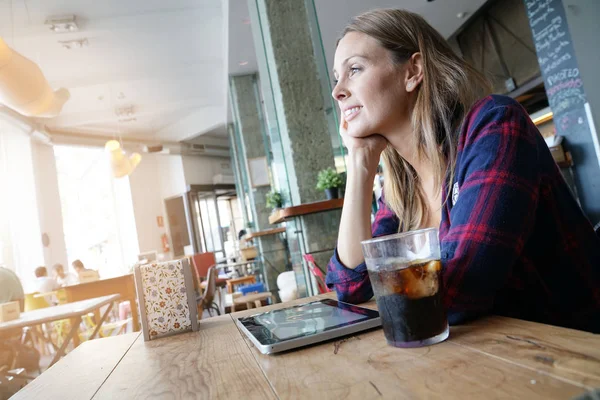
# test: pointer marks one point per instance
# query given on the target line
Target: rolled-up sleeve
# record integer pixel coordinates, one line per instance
(353, 285)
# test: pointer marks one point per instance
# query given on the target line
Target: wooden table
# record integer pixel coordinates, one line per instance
(248, 279)
(252, 299)
(123, 285)
(71, 311)
(492, 358)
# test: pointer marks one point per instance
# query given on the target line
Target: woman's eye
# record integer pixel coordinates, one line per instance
(354, 70)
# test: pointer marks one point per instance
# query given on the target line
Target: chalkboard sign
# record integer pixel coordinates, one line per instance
(556, 55)
(566, 95)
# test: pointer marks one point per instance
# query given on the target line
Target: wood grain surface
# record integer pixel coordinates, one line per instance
(491, 358)
(214, 363)
(80, 373)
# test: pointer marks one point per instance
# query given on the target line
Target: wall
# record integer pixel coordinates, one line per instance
(200, 170)
(48, 202)
(155, 178)
(161, 176)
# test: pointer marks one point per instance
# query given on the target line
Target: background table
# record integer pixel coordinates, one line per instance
(123, 285)
(71, 311)
(492, 358)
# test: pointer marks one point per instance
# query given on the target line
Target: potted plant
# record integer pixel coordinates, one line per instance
(329, 181)
(274, 199)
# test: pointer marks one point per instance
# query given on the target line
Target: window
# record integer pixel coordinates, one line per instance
(97, 211)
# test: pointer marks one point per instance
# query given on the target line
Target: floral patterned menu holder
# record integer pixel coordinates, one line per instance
(166, 298)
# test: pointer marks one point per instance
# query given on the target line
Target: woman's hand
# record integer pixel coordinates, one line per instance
(355, 224)
(364, 150)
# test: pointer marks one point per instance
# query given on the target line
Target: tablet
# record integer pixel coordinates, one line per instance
(304, 324)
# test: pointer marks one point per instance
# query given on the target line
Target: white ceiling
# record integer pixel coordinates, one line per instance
(167, 59)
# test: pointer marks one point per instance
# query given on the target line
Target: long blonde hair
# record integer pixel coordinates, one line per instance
(449, 88)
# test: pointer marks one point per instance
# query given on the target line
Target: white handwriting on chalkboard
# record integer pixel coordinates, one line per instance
(543, 7)
(554, 64)
(558, 48)
(549, 34)
(562, 75)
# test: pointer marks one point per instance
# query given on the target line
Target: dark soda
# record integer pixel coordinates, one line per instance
(410, 302)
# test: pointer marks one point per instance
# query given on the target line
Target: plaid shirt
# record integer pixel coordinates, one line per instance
(513, 240)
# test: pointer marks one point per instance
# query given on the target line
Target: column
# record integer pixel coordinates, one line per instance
(252, 151)
(299, 118)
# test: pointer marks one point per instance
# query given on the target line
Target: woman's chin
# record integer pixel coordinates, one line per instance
(358, 133)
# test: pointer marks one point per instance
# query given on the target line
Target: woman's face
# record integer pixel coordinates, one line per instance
(370, 88)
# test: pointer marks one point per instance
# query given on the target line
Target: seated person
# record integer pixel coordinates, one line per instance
(79, 268)
(13, 354)
(64, 278)
(514, 241)
(11, 288)
(44, 284)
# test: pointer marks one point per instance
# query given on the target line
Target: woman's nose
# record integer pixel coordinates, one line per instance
(339, 92)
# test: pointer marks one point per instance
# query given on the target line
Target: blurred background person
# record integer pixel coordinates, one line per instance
(45, 284)
(11, 288)
(64, 278)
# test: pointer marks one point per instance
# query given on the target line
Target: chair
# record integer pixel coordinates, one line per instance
(34, 302)
(202, 262)
(207, 300)
(317, 273)
(88, 275)
(41, 336)
(166, 298)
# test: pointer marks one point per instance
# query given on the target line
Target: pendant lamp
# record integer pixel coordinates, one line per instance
(120, 164)
(24, 88)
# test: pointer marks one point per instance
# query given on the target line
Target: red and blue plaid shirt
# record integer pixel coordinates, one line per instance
(514, 241)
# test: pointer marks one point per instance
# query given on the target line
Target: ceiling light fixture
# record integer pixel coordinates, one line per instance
(125, 114)
(243, 63)
(120, 164)
(77, 44)
(461, 15)
(62, 24)
(24, 88)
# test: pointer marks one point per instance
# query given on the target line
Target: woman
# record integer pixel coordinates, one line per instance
(513, 240)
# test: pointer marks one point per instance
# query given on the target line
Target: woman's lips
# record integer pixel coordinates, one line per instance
(351, 113)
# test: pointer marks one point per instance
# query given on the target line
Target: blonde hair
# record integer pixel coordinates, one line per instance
(449, 88)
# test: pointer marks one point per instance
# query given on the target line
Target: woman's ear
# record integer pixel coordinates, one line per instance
(414, 72)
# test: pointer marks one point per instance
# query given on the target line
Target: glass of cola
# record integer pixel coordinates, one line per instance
(405, 272)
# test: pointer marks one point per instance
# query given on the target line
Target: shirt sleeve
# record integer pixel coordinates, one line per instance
(353, 285)
(498, 179)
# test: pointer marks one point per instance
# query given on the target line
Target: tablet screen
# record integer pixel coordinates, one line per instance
(304, 320)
